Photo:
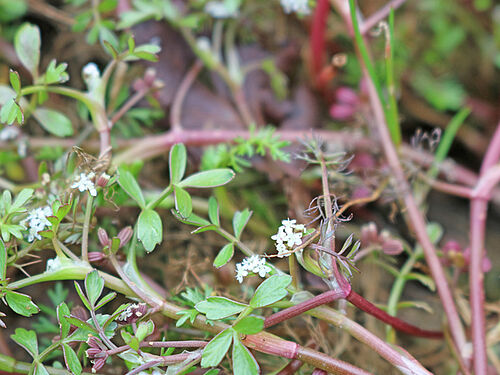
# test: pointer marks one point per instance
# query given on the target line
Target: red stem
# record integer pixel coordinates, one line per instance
(317, 36)
(302, 307)
(396, 323)
(478, 212)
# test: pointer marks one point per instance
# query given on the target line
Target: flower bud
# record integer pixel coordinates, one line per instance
(342, 112)
(149, 77)
(103, 237)
(346, 95)
(98, 364)
(103, 180)
(125, 235)
(369, 235)
(96, 257)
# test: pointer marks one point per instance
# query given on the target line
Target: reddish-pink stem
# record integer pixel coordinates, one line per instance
(302, 307)
(413, 212)
(478, 212)
(317, 36)
(396, 323)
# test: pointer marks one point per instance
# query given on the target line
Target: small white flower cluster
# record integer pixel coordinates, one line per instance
(298, 6)
(37, 221)
(254, 264)
(289, 235)
(133, 312)
(218, 9)
(84, 182)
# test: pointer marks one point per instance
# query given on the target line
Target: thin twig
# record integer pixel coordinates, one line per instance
(180, 95)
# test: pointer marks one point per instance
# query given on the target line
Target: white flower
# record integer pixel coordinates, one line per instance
(91, 76)
(90, 71)
(254, 264)
(9, 132)
(288, 236)
(288, 223)
(218, 9)
(241, 272)
(37, 221)
(298, 6)
(84, 182)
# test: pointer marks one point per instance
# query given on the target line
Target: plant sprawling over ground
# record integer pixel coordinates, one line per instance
(232, 186)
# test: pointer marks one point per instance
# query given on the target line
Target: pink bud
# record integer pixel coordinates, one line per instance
(103, 180)
(342, 112)
(369, 235)
(98, 364)
(103, 237)
(346, 95)
(452, 246)
(96, 256)
(392, 246)
(125, 235)
(149, 77)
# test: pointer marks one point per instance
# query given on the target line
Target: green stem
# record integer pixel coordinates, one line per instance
(393, 126)
(57, 249)
(392, 107)
(164, 194)
(8, 364)
(86, 227)
(96, 110)
(397, 289)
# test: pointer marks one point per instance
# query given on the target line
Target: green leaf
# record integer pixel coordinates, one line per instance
(15, 81)
(423, 279)
(249, 325)
(87, 328)
(240, 220)
(10, 112)
(26, 339)
(56, 73)
(130, 340)
(435, 232)
(270, 291)
(27, 46)
(71, 360)
(144, 330)
(94, 284)
(22, 198)
(207, 179)
(217, 348)
(149, 229)
(243, 361)
(107, 5)
(54, 122)
(128, 183)
(183, 202)
(107, 298)
(77, 322)
(224, 255)
(40, 369)
(82, 296)
(3, 260)
(64, 325)
(213, 211)
(193, 219)
(177, 162)
(216, 308)
(21, 303)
